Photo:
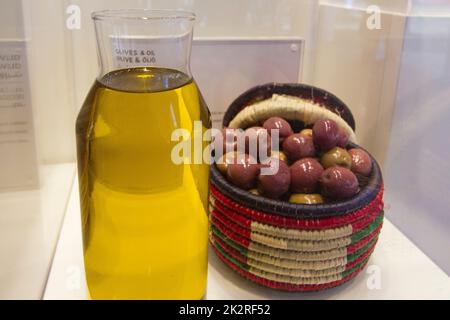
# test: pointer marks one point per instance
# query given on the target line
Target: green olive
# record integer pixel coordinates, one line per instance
(304, 198)
(307, 132)
(279, 155)
(336, 157)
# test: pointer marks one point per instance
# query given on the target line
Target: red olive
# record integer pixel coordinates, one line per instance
(223, 162)
(226, 139)
(361, 161)
(305, 175)
(342, 138)
(339, 183)
(325, 134)
(257, 142)
(298, 146)
(243, 173)
(274, 185)
(282, 125)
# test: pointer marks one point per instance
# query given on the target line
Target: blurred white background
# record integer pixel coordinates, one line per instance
(395, 79)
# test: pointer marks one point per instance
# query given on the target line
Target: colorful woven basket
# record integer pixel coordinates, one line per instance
(287, 246)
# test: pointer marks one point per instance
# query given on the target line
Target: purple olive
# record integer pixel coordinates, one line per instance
(342, 138)
(305, 175)
(282, 125)
(243, 173)
(339, 183)
(298, 146)
(361, 161)
(275, 185)
(325, 134)
(226, 139)
(257, 141)
(223, 162)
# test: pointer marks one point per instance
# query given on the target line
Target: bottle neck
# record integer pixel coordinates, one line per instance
(143, 38)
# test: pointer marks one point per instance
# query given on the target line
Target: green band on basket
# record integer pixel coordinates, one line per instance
(235, 261)
(369, 229)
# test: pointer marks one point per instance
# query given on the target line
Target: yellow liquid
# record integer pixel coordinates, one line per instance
(144, 218)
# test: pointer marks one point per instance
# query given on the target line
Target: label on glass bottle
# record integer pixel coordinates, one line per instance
(222, 67)
(18, 161)
(131, 52)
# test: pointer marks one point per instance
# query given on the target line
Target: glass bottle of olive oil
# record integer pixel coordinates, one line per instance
(144, 217)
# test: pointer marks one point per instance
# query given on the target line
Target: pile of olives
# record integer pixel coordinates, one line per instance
(314, 165)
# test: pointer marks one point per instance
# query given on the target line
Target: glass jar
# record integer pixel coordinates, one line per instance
(144, 214)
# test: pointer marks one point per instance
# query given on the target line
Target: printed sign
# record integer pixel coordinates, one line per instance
(18, 161)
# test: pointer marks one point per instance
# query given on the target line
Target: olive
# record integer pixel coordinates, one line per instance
(325, 134)
(307, 132)
(279, 155)
(225, 139)
(282, 125)
(336, 157)
(342, 138)
(305, 175)
(361, 161)
(298, 146)
(223, 162)
(305, 198)
(243, 173)
(339, 183)
(257, 142)
(274, 185)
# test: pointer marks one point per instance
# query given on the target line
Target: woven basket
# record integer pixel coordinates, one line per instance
(287, 246)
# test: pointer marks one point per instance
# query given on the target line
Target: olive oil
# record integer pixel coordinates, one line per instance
(144, 218)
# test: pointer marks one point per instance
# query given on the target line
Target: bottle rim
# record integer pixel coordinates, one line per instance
(143, 14)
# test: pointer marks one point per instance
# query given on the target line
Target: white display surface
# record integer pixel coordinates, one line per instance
(405, 271)
(30, 222)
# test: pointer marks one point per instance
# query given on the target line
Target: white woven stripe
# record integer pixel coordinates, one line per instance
(294, 280)
(316, 235)
(288, 107)
(299, 245)
(297, 264)
(297, 255)
(296, 273)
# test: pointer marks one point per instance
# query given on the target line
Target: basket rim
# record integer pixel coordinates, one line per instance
(301, 211)
(305, 91)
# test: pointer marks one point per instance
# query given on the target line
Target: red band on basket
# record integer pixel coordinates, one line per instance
(229, 206)
(229, 217)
